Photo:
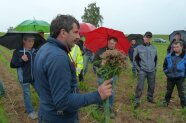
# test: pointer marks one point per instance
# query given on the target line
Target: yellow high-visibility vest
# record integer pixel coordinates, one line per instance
(76, 55)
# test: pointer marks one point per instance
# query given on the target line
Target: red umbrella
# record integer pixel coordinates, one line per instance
(86, 27)
(98, 38)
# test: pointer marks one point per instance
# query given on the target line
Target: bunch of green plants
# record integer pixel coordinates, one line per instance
(112, 64)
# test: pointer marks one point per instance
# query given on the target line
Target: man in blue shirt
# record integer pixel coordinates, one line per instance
(55, 75)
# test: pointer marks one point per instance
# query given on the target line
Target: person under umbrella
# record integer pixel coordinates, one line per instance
(98, 61)
(131, 52)
(177, 37)
(22, 60)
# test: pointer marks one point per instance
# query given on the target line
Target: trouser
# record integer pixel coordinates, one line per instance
(111, 98)
(2, 90)
(86, 59)
(27, 97)
(142, 75)
(180, 84)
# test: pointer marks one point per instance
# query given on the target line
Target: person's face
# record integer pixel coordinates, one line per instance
(177, 48)
(177, 37)
(71, 37)
(146, 39)
(28, 43)
(112, 44)
(133, 42)
(42, 34)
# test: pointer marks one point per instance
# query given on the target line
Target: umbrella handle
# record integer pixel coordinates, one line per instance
(24, 51)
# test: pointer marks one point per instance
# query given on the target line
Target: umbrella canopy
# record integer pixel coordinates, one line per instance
(137, 37)
(182, 32)
(33, 25)
(14, 40)
(85, 28)
(98, 38)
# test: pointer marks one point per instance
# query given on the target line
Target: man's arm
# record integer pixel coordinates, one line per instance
(59, 77)
(136, 59)
(156, 59)
(16, 61)
(165, 66)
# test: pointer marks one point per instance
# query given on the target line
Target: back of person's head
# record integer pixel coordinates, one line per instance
(62, 22)
(178, 34)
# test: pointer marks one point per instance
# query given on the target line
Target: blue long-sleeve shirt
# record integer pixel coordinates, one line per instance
(55, 78)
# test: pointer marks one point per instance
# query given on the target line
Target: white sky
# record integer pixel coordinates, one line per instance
(129, 16)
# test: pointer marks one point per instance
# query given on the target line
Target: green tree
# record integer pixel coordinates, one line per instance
(92, 15)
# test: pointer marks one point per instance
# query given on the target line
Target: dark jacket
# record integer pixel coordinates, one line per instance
(87, 52)
(81, 46)
(97, 58)
(175, 66)
(145, 57)
(55, 78)
(131, 52)
(24, 69)
(170, 46)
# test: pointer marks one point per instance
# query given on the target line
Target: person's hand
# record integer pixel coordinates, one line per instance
(24, 58)
(105, 90)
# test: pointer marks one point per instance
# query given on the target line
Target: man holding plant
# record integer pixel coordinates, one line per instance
(98, 62)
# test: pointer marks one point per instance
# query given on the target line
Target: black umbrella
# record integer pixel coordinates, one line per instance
(14, 40)
(137, 37)
(182, 32)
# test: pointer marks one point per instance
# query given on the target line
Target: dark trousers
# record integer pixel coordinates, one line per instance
(142, 75)
(180, 84)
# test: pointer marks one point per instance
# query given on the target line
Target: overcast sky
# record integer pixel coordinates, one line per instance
(129, 16)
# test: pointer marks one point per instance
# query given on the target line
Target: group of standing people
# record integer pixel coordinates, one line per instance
(144, 60)
(53, 70)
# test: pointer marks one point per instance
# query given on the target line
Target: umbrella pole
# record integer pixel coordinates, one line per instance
(24, 51)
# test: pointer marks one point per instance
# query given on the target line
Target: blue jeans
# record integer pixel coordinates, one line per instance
(86, 59)
(2, 90)
(111, 98)
(27, 97)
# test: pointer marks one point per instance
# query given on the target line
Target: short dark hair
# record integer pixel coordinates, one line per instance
(27, 36)
(178, 42)
(113, 38)
(148, 34)
(62, 22)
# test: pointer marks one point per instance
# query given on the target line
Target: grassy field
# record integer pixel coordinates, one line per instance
(3, 116)
(147, 113)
